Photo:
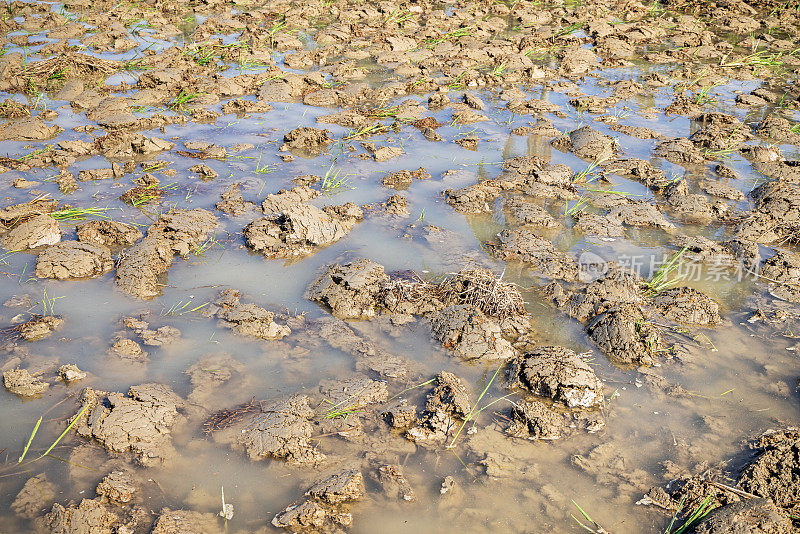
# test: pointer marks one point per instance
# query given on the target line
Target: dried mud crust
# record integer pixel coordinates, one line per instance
(470, 334)
(281, 429)
(775, 215)
(247, 319)
(233, 203)
(530, 175)
(37, 327)
(687, 305)
(756, 516)
(617, 286)
(177, 232)
(352, 395)
(108, 233)
(327, 505)
(522, 244)
(73, 259)
(558, 374)
(349, 290)
(301, 229)
(626, 335)
(537, 420)
(774, 473)
(448, 402)
(21, 382)
(763, 498)
(139, 422)
(40, 230)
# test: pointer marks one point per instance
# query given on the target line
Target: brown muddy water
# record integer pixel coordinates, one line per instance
(518, 79)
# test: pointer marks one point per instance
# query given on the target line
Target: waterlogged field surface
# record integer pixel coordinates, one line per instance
(400, 267)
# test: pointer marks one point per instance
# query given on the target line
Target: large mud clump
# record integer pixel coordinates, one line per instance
(559, 374)
(301, 229)
(470, 334)
(626, 335)
(73, 259)
(177, 232)
(282, 430)
(349, 290)
(139, 422)
(247, 319)
(327, 504)
(447, 403)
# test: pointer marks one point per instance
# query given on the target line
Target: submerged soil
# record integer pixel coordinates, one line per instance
(329, 266)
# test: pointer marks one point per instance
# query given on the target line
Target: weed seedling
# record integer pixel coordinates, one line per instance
(660, 280)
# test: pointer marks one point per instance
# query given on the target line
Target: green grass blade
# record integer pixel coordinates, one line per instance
(30, 440)
(64, 433)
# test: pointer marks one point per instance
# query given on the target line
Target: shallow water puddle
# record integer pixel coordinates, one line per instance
(548, 149)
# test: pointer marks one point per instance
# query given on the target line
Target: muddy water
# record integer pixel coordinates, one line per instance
(737, 381)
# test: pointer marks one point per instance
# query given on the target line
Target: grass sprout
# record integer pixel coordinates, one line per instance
(594, 527)
(576, 208)
(181, 308)
(332, 184)
(475, 410)
(660, 280)
(79, 214)
(702, 510)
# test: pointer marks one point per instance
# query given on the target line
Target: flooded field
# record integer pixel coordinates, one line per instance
(400, 267)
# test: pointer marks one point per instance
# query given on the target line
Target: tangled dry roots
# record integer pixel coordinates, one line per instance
(73, 63)
(475, 287)
(228, 417)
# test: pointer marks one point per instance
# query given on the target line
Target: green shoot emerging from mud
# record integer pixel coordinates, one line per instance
(576, 208)
(475, 410)
(332, 184)
(48, 304)
(660, 280)
(702, 510)
(79, 214)
(180, 102)
(593, 526)
(337, 410)
(181, 308)
(582, 176)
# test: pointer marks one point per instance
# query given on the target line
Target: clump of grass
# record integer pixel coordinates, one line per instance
(576, 208)
(454, 35)
(144, 194)
(337, 410)
(48, 304)
(660, 280)
(79, 214)
(581, 176)
(266, 168)
(702, 510)
(398, 16)
(181, 102)
(332, 184)
(366, 131)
